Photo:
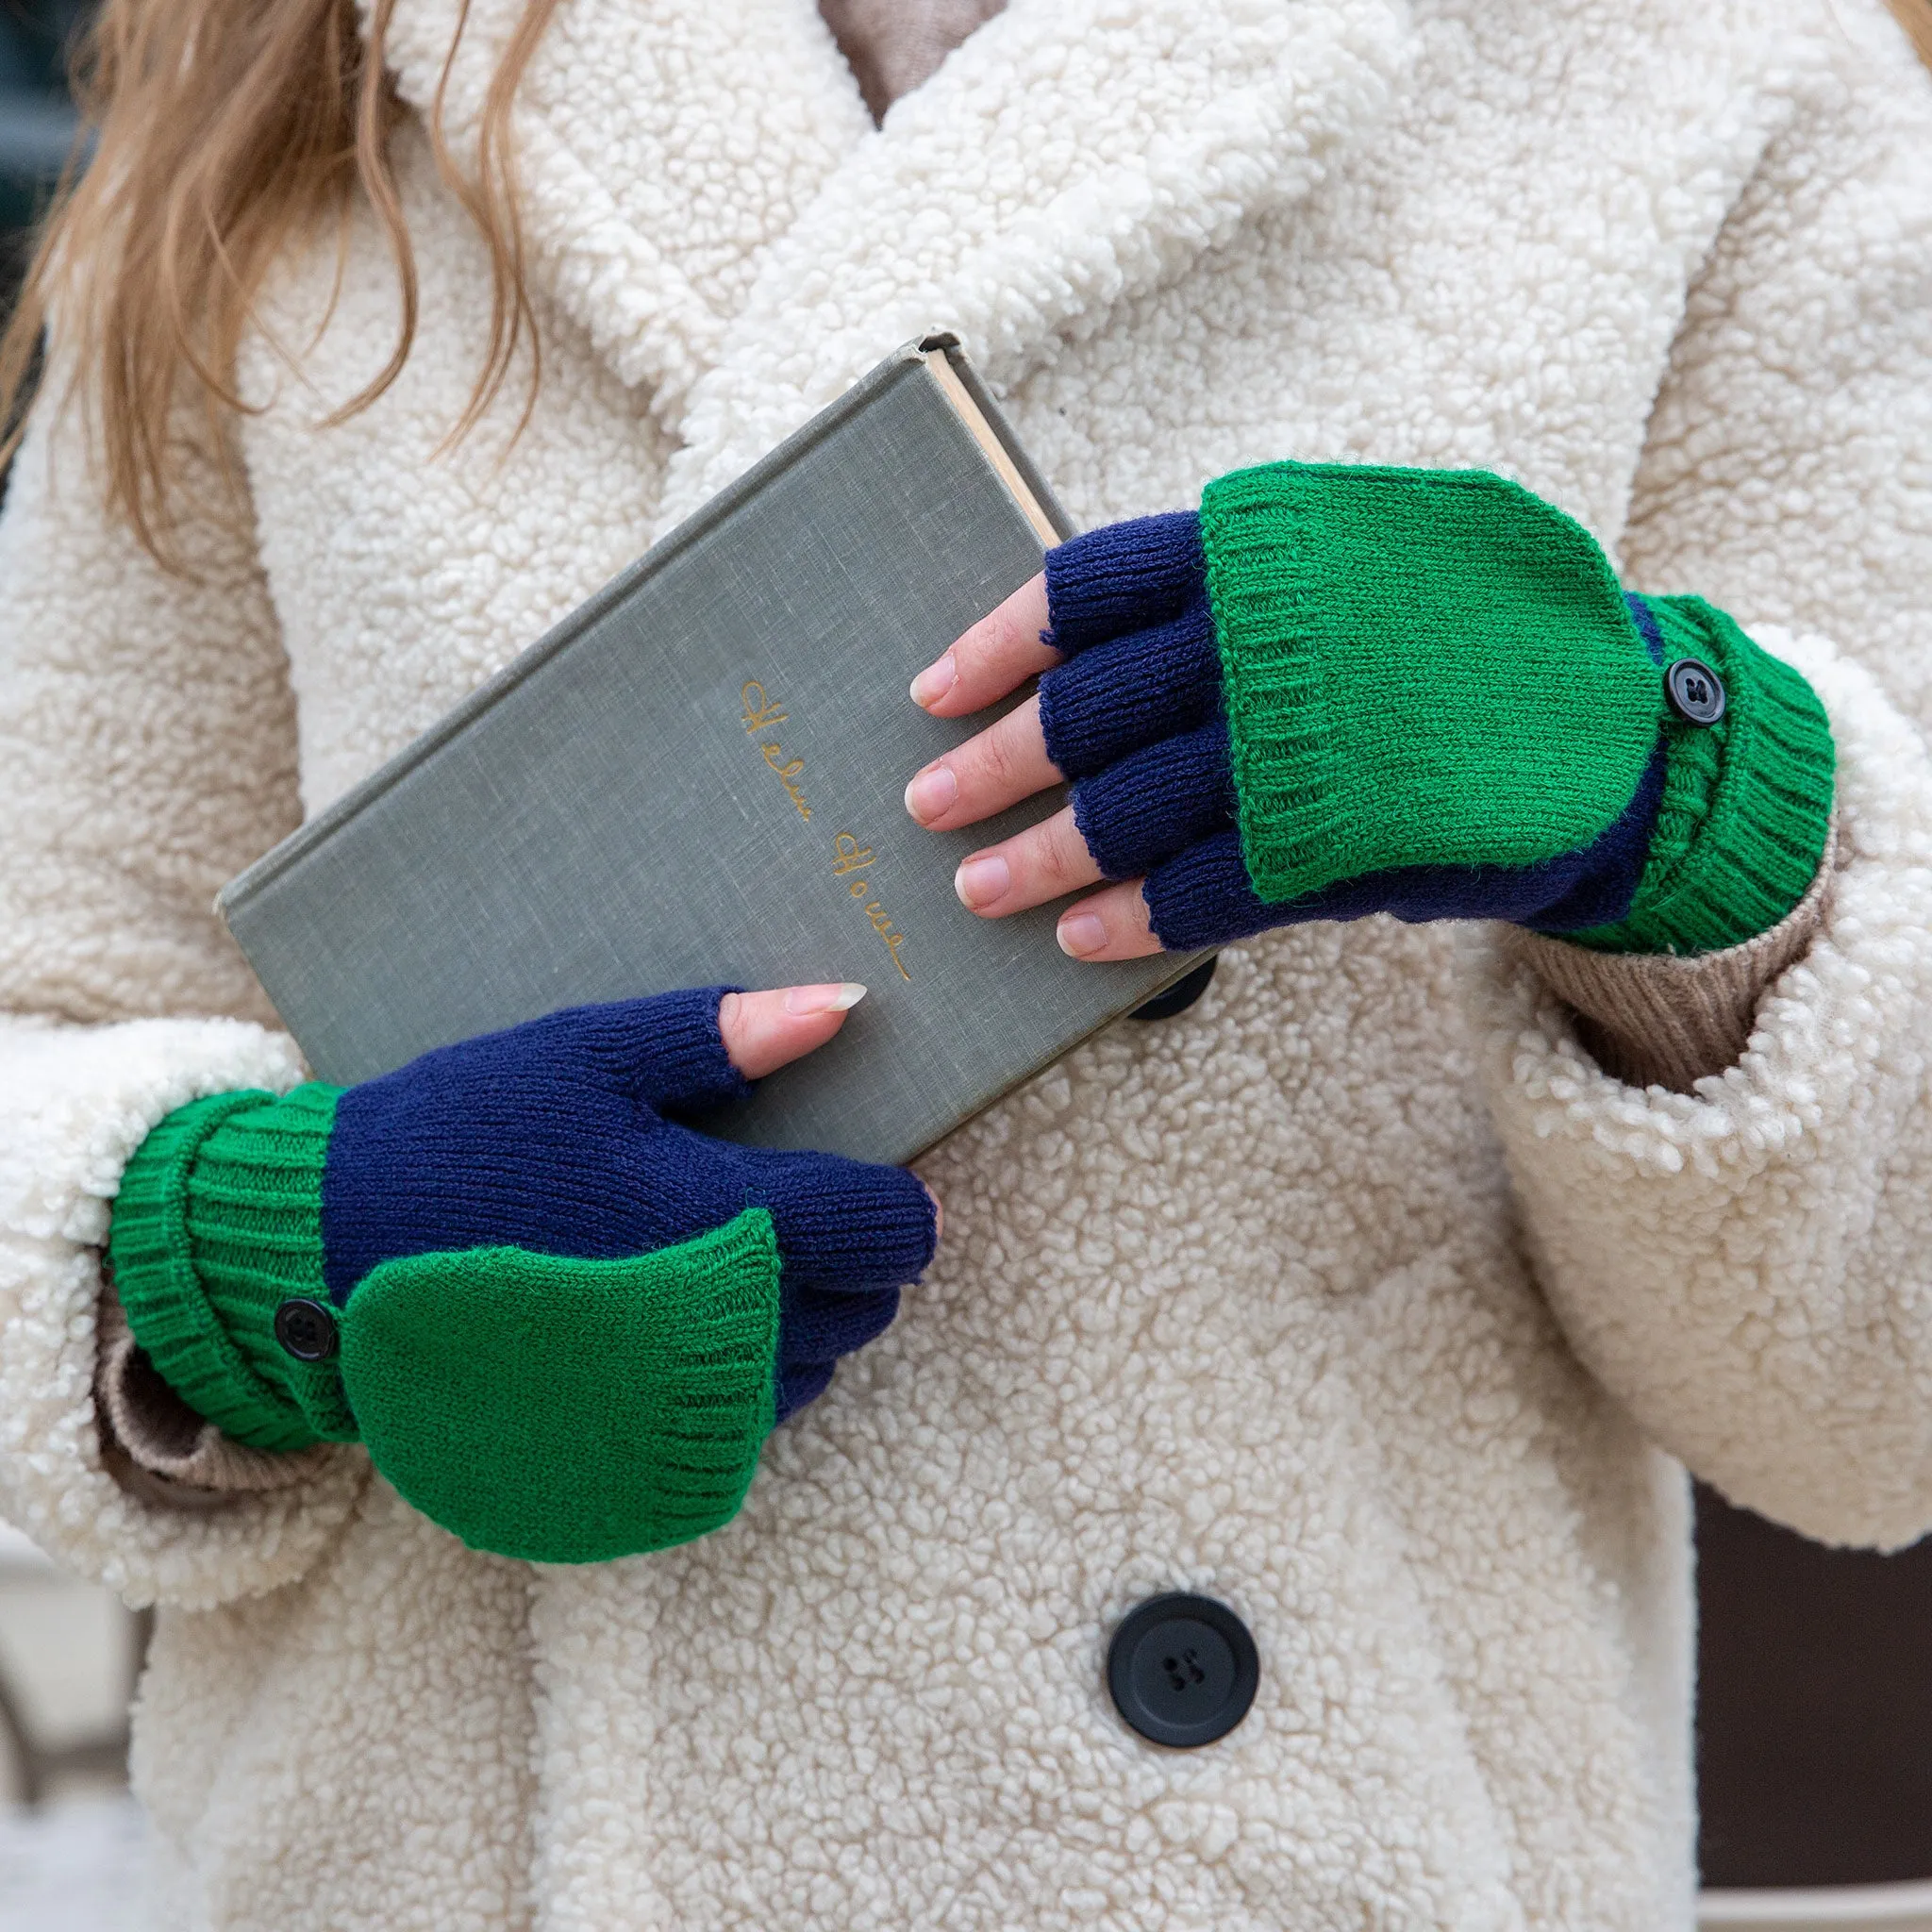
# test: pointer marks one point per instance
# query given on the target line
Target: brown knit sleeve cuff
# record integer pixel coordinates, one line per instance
(157, 1448)
(1663, 1020)
(893, 46)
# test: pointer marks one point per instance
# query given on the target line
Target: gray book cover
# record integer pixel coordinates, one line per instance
(696, 778)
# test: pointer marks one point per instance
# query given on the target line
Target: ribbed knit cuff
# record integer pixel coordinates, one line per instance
(219, 1220)
(1746, 811)
(1421, 668)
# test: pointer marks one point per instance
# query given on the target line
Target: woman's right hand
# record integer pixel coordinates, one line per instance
(562, 1320)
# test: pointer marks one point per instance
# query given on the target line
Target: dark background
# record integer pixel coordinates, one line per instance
(1814, 1706)
(37, 121)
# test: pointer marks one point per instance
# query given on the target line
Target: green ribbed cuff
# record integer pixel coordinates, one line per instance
(218, 1221)
(1746, 808)
(1422, 668)
(592, 1409)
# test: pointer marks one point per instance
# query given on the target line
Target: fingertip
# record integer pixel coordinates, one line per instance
(1081, 935)
(830, 996)
(935, 681)
(764, 1031)
(1113, 925)
(990, 659)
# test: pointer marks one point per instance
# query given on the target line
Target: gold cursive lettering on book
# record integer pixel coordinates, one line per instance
(849, 858)
(851, 861)
(760, 714)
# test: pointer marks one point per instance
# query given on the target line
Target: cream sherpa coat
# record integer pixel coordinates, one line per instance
(1357, 1297)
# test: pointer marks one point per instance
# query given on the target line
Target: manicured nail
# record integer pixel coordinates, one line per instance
(981, 881)
(1081, 934)
(931, 792)
(841, 999)
(935, 681)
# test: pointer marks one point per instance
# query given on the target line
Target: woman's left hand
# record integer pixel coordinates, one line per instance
(1340, 690)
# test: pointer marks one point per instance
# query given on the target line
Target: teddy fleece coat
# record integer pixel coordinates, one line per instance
(1358, 1296)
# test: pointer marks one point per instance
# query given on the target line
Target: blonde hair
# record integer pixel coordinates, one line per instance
(223, 130)
(1915, 16)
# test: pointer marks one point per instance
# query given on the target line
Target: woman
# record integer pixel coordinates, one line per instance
(1378, 1298)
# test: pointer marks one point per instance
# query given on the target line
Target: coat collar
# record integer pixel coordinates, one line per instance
(661, 146)
(705, 194)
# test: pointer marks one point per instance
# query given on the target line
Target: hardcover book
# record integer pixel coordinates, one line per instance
(696, 778)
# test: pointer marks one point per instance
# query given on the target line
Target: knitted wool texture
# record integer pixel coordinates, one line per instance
(217, 1222)
(1747, 807)
(1342, 691)
(462, 1366)
(567, 1322)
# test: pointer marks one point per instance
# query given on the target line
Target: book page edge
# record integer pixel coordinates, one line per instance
(993, 445)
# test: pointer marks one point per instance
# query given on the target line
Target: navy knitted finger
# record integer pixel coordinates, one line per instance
(1131, 691)
(843, 1225)
(817, 1326)
(1156, 802)
(1123, 577)
(1206, 890)
(799, 1383)
(1203, 898)
(821, 1324)
(664, 1050)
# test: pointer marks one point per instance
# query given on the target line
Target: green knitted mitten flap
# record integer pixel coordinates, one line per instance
(559, 1409)
(1422, 668)
(565, 1410)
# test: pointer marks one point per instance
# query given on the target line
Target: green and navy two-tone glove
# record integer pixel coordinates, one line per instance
(562, 1323)
(1343, 690)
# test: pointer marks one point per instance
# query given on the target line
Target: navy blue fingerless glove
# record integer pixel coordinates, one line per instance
(561, 1321)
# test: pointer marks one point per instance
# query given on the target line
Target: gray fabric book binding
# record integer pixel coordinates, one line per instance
(696, 778)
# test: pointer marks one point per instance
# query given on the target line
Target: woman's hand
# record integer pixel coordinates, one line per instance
(1339, 691)
(560, 1318)
(764, 1031)
(1008, 763)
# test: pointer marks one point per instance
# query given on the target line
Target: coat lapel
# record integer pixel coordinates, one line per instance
(661, 146)
(706, 194)
(1071, 155)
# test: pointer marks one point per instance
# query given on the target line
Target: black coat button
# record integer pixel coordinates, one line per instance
(1695, 692)
(1181, 995)
(307, 1329)
(1182, 1670)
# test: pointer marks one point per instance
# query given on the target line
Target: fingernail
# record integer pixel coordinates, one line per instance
(981, 881)
(841, 998)
(1080, 933)
(931, 792)
(935, 681)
